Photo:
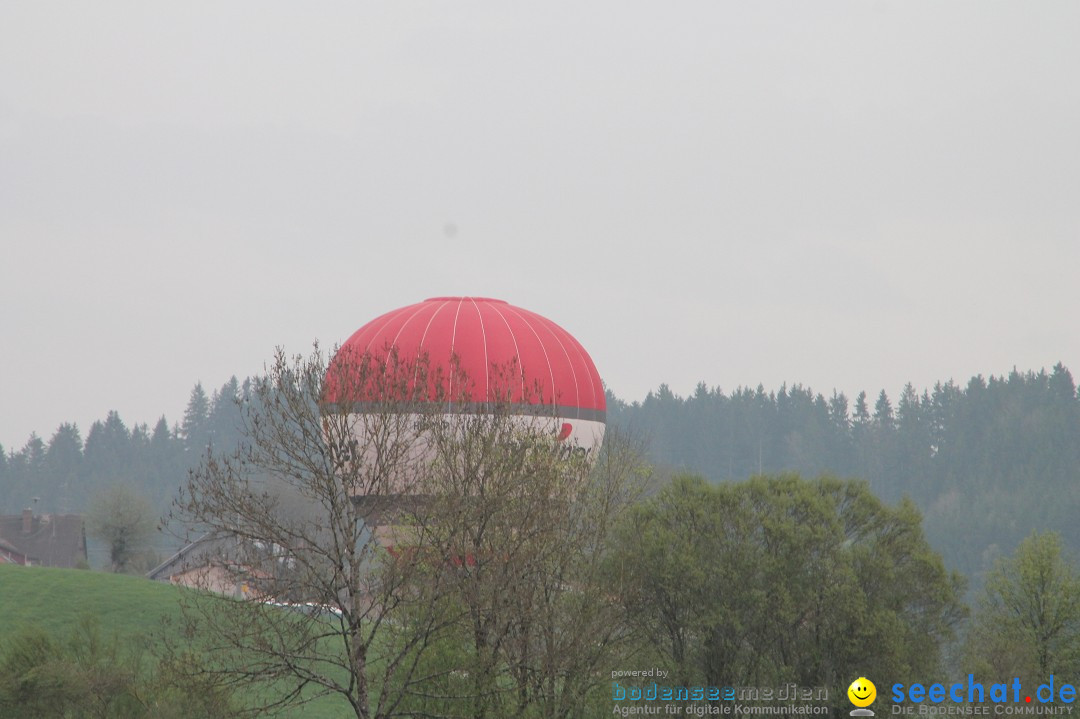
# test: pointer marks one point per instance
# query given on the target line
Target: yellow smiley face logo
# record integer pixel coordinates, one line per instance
(862, 692)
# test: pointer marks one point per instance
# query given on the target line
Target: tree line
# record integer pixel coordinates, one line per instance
(63, 474)
(986, 462)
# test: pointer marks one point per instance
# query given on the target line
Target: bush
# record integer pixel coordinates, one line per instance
(92, 677)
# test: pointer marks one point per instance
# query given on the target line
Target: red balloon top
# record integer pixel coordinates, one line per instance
(486, 336)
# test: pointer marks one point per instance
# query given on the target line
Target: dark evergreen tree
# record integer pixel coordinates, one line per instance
(168, 468)
(883, 414)
(912, 445)
(35, 454)
(161, 437)
(862, 411)
(63, 459)
(195, 428)
(107, 454)
(224, 420)
(5, 479)
(27, 474)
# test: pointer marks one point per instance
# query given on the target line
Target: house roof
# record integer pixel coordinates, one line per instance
(204, 550)
(54, 540)
(12, 555)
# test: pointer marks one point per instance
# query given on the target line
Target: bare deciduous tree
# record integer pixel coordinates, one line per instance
(526, 526)
(297, 504)
(416, 553)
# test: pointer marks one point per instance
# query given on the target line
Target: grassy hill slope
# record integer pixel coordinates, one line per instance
(57, 600)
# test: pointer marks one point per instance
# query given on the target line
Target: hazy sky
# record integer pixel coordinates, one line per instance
(847, 195)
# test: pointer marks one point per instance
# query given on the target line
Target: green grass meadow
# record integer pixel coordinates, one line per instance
(128, 607)
(57, 600)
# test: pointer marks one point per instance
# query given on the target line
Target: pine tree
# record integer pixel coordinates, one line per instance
(195, 429)
(64, 458)
(1062, 386)
(862, 411)
(107, 453)
(883, 414)
(166, 465)
(838, 411)
(225, 419)
(5, 478)
(27, 469)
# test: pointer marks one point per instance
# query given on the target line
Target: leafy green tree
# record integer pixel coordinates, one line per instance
(781, 579)
(122, 518)
(1028, 618)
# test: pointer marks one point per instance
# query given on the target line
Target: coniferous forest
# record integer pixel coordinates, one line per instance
(986, 462)
(62, 473)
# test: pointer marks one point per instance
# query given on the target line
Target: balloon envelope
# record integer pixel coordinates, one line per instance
(468, 355)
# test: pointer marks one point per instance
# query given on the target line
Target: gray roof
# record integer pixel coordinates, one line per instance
(204, 550)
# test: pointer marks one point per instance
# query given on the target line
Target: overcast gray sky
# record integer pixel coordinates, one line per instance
(847, 195)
